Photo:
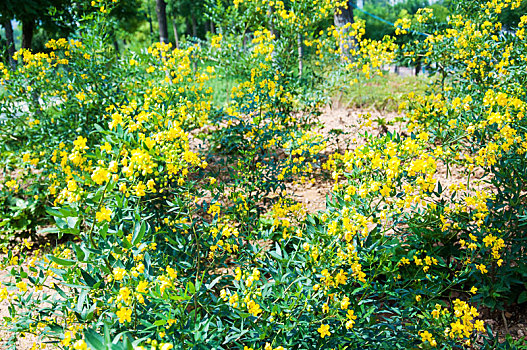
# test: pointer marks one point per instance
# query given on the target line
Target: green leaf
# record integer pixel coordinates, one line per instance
(191, 288)
(60, 291)
(49, 230)
(54, 212)
(78, 251)
(81, 300)
(160, 322)
(213, 283)
(60, 261)
(522, 298)
(126, 244)
(139, 234)
(90, 281)
(104, 230)
(180, 297)
(72, 221)
(94, 340)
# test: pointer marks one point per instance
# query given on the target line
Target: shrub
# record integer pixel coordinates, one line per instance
(167, 243)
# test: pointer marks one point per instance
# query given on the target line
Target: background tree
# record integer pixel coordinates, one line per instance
(343, 16)
(38, 13)
(5, 20)
(510, 18)
(162, 20)
(127, 18)
(46, 19)
(376, 29)
(188, 15)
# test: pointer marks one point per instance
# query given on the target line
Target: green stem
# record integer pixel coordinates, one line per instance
(198, 248)
(99, 205)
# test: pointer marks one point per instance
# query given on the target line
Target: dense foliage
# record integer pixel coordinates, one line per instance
(177, 225)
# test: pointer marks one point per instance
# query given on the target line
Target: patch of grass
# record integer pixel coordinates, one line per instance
(221, 84)
(381, 93)
(221, 87)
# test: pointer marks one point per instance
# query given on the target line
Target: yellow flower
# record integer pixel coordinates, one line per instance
(67, 338)
(122, 187)
(325, 308)
(80, 345)
(140, 299)
(118, 273)
(113, 166)
(341, 278)
(324, 330)
(482, 268)
(238, 272)
(171, 272)
(12, 185)
(151, 184)
(140, 189)
(426, 336)
(437, 311)
(141, 287)
(104, 214)
(106, 147)
(80, 143)
(81, 96)
(351, 319)
(479, 326)
(124, 294)
(124, 314)
(254, 308)
(100, 175)
(72, 186)
(22, 286)
(345, 303)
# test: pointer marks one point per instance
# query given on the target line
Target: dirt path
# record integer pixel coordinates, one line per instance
(342, 127)
(30, 341)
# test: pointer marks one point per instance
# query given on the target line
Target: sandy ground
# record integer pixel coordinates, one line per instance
(22, 343)
(343, 127)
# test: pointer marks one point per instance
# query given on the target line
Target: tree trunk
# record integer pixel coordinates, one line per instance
(10, 42)
(116, 46)
(161, 11)
(418, 67)
(149, 18)
(343, 16)
(28, 27)
(300, 56)
(176, 35)
(194, 26)
(270, 13)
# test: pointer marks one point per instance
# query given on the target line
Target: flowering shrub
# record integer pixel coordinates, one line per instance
(180, 231)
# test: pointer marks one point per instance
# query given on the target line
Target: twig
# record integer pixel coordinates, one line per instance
(505, 322)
